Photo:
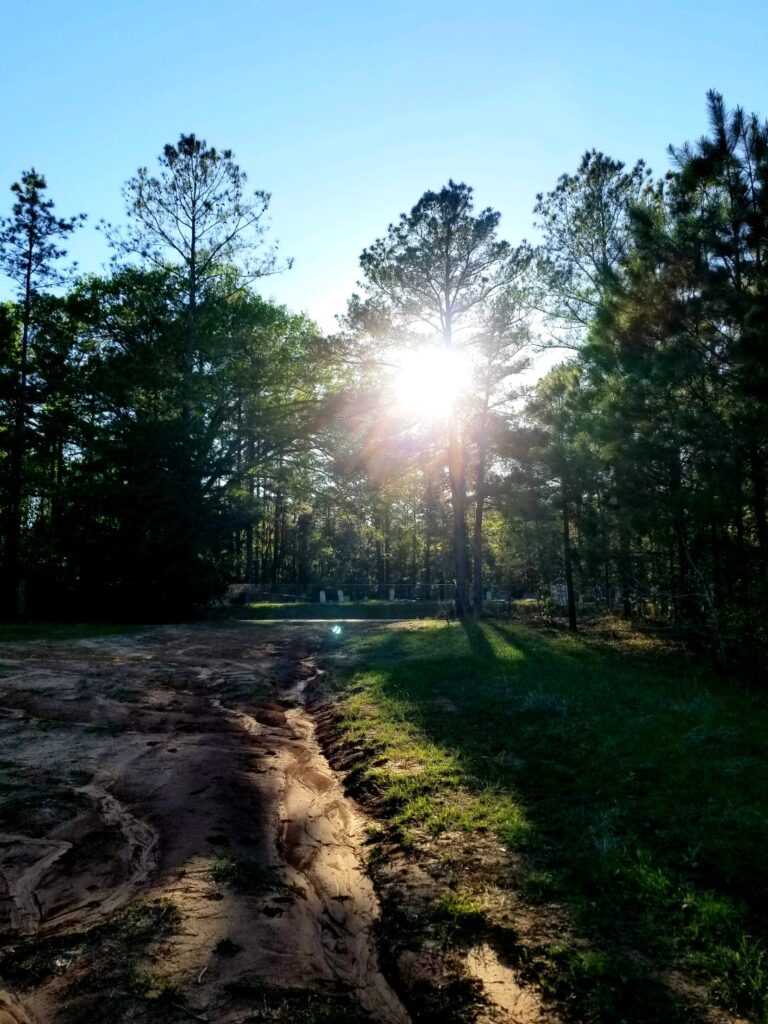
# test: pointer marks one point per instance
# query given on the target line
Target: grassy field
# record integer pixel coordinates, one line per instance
(334, 610)
(13, 631)
(630, 782)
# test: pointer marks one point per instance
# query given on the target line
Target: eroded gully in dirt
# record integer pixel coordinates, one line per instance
(180, 766)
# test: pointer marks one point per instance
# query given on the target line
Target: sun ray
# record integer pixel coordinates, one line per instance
(429, 380)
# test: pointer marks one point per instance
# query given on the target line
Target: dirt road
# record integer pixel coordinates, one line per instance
(173, 844)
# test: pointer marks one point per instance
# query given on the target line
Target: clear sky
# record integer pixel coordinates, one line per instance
(348, 110)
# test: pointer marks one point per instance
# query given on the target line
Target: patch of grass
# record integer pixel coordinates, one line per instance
(743, 977)
(124, 695)
(34, 810)
(11, 632)
(116, 983)
(105, 964)
(296, 1006)
(601, 987)
(334, 610)
(456, 917)
(142, 922)
(226, 947)
(80, 776)
(246, 876)
(105, 729)
(633, 782)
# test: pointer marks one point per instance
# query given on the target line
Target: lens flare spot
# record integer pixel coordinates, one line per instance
(430, 380)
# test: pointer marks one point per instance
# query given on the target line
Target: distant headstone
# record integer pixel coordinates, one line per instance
(391, 593)
(322, 597)
(341, 596)
(488, 596)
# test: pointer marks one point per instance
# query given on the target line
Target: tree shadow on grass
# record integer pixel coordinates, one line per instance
(608, 758)
(478, 640)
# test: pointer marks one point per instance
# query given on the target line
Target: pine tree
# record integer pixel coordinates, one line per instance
(436, 268)
(28, 255)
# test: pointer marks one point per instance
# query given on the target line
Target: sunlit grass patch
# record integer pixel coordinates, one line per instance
(633, 782)
(456, 916)
(406, 610)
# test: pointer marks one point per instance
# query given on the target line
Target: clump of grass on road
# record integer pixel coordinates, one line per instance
(106, 971)
(246, 876)
(634, 784)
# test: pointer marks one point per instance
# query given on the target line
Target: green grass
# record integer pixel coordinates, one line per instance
(103, 972)
(226, 947)
(634, 784)
(334, 610)
(246, 876)
(36, 809)
(279, 1005)
(455, 916)
(11, 632)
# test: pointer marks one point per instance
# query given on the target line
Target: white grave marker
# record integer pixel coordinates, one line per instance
(322, 597)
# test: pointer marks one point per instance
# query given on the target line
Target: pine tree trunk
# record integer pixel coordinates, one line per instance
(625, 573)
(683, 597)
(460, 537)
(757, 471)
(429, 530)
(477, 539)
(15, 593)
(571, 597)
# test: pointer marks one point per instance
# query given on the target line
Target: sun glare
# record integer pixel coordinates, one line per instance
(429, 380)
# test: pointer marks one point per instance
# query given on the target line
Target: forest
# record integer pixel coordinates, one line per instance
(167, 432)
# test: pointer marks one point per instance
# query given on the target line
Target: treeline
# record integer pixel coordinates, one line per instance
(166, 430)
(152, 417)
(655, 435)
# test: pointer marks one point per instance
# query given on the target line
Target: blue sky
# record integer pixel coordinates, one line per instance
(347, 111)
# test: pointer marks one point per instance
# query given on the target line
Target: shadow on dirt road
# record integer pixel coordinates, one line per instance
(173, 844)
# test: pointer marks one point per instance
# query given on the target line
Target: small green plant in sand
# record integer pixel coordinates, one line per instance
(246, 876)
(456, 917)
(227, 947)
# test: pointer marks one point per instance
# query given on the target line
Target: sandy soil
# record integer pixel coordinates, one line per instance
(174, 845)
(180, 766)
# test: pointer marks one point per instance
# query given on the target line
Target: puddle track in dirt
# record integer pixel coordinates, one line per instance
(196, 758)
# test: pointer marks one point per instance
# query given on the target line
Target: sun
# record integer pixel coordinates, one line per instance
(429, 380)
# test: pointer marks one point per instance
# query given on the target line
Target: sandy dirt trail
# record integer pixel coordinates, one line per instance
(178, 766)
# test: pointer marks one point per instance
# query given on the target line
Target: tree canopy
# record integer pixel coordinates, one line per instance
(168, 431)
